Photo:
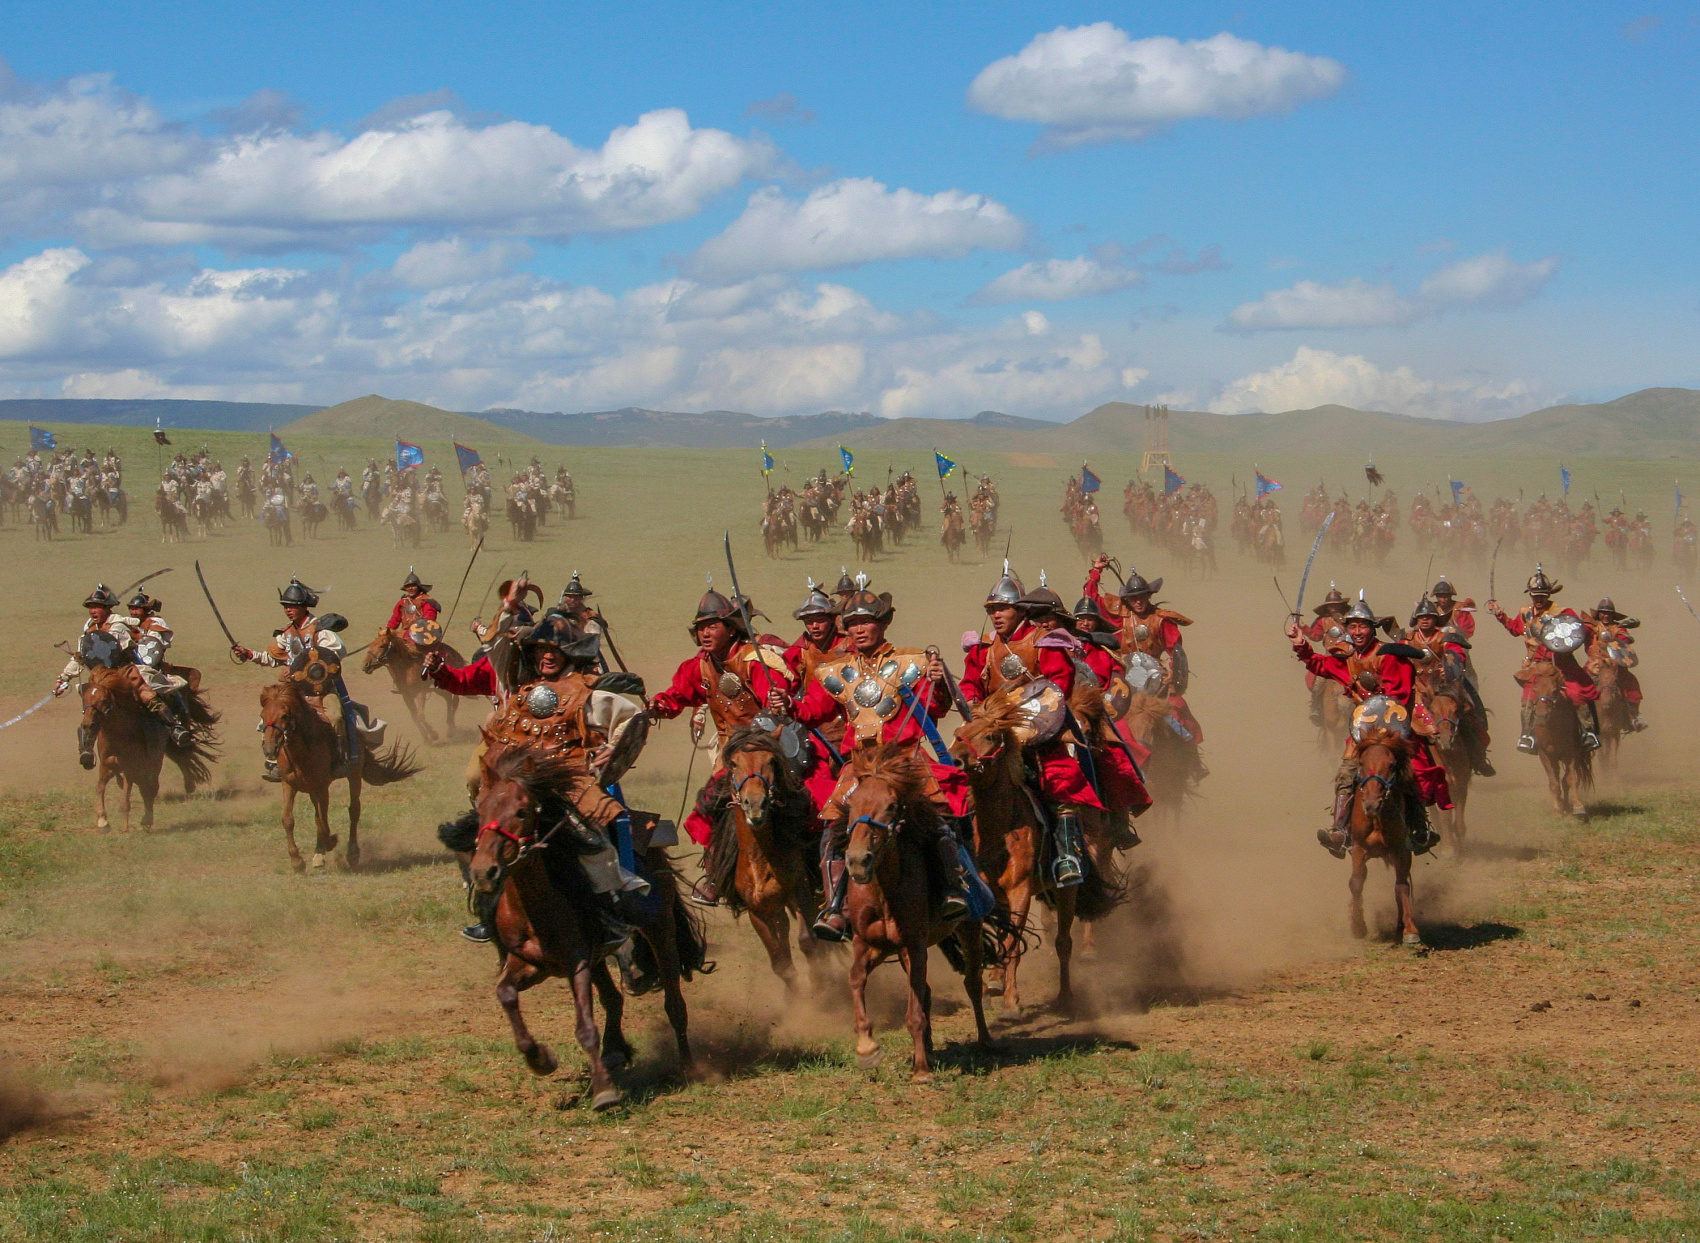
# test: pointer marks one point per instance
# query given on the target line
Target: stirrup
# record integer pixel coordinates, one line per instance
(702, 893)
(1483, 768)
(1526, 744)
(270, 773)
(954, 904)
(1066, 871)
(1424, 840)
(1636, 725)
(831, 926)
(1590, 740)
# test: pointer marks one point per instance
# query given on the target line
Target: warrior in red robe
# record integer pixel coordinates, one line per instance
(1529, 624)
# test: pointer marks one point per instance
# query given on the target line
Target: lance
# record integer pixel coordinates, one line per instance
(219, 617)
(1315, 548)
(463, 578)
(1684, 598)
(489, 587)
(144, 578)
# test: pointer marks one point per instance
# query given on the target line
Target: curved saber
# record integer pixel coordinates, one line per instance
(216, 614)
(469, 563)
(48, 698)
(1298, 605)
(1679, 592)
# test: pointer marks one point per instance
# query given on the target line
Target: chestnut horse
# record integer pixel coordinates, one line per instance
(1558, 739)
(119, 737)
(549, 922)
(776, 839)
(1378, 827)
(309, 758)
(1612, 707)
(1010, 850)
(1447, 702)
(405, 662)
(1170, 773)
(890, 898)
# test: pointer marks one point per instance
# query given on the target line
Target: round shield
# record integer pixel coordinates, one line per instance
(627, 747)
(318, 671)
(425, 632)
(1622, 656)
(1379, 712)
(542, 701)
(1563, 634)
(1043, 709)
(1144, 674)
(97, 647)
(150, 651)
(1118, 698)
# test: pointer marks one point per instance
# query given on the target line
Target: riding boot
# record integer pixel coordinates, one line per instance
(830, 924)
(180, 735)
(1067, 848)
(1526, 742)
(1418, 832)
(1338, 836)
(1588, 716)
(954, 903)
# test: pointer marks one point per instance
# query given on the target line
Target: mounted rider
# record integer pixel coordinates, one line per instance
(1375, 669)
(884, 694)
(117, 642)
(820, 641)
(1611, 642)
(575, 603)
(1428, 630)
(1329, 630)
(1530, 624)
(309, 650)
(408, 620)
(1148, 628)
(732, 677)
(1019, 652)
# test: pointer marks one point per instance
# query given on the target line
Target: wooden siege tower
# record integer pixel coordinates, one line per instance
(1156, 439)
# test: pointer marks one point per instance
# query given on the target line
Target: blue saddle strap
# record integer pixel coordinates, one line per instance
(929, 728)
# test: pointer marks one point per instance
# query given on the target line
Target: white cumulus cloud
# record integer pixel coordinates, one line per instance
(1094, 84)
(455, 261)
(853, 221)
(1316, 377)
(1491, 281)
(1057, 280)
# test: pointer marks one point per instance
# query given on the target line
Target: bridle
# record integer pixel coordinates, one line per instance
(885, 832)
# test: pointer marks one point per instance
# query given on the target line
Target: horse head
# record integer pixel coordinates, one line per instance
(1378, 772)
(510, 794)
(279, 704)
(888, 794)
(99, 697)
(753, 770)
(378, 651)
(1445, 709)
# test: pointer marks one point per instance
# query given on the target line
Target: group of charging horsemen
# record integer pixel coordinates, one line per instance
(841, 685)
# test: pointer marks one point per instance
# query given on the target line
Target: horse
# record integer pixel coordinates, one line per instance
(1612, 707)
(118, 737)
(548, 922)
(765, 866)
(276, 518)
(1010, 850)
(1378, 828)
(1447, 703)
(953, 536)
(1171, 772)
(388, 650)
(889, 901)
(1558, 740)
(309, 758)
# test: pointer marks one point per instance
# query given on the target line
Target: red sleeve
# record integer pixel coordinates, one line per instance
(816, 707)
(973, 680)
(1466, 623)
(1102, 662)
(685, 692)
(395, 617)
(1514, 623)
(478, 678)
(1398, 678)
(794, 658)
(1322, 664)
(1171, 634)
(1093, 579)
(429, 609)
(1055, 665)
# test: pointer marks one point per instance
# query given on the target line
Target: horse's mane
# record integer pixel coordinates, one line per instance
(901, 767)
(997, 712)
(1398, 744)
(750, 738)
(1144, 713)
(541, 774)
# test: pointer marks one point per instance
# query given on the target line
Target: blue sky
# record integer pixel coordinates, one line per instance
(1457, 210)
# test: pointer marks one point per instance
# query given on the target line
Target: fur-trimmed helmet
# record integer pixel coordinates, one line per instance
(1006, 591)
(575, 589)
(102, 597)
(1334, 599)
(1136, 585)
(1042, 602)
(1540, 584)
(865, 604)
(816, 604)
(298, 595)
(1426, 607)
(1442, 589)
(413, 580)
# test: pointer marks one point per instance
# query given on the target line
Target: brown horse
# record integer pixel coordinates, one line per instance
(953, 535)
(1378, 827)
(1558, 740)
(890, 898)
(549, 922)
(1447, 701)
(1011, 847)
(1170, 772)
(404, 660)
(309, 758)
(776, 839)
(1612, 707)
(119, 737)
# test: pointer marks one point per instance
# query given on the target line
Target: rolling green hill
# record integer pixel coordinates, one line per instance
(409, 420)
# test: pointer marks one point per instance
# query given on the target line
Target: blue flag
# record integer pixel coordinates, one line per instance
(407, 455)
(1564, 478)
(1679, 498)
(766, 460)
(468, 458)
(945, 464)
(1457, 487)
(1172, 482)
(847, 460)
(1265, 485)
(1088, 481)
(41, 438)
(278, 452)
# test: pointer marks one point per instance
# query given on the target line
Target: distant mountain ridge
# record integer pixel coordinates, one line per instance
(633, 426)
(216, 416)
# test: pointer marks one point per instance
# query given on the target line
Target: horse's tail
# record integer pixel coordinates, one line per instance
(720, 861)
(690, 941)
(1000, 940)
(382, 768)
(1098, 894)
(194, 759)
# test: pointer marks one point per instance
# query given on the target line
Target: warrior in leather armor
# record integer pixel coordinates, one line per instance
(415, 605)
(1429, 632)
(1611, 631)
(115, 645)
(884, 694)
(1329, 630)
(1527, 625)
(820, 641)
(1373, 668)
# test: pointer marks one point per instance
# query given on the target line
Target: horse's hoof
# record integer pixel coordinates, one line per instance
(318, 859)
(1359, 934)
(921, 1076)
(1411, 938)
(615, 1060)
(298, 863)
(607, 1099)
(542, 1060)
(870, 1061)
(352, 857)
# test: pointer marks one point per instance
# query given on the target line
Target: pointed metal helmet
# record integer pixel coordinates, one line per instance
(1361, 611)
(575, 589)
(102, 597)
(1426, 607)
(142, 600)
(1086, 606)
(298, 595)
(1042, 600)
(413, 580)
(1540, 584)
(1334, 597)
(1606, 608)
(1442, 589)
(816, 604)
(846, 584)
(1136, 585)
(1007, 590)
(715, 607)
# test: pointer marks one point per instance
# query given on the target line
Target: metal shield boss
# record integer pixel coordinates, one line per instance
(1563, 634)
(425, 633)
(1043, 709)
(542, 701)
